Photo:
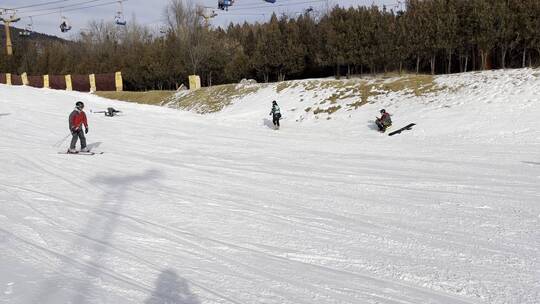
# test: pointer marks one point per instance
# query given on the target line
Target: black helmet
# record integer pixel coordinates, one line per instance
(274, 102)
(383, 111)
(79, 105)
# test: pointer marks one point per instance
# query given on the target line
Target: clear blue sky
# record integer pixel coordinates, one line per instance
(151, 12)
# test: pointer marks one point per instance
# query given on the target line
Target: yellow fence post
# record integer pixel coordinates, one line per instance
(118, 82)
(92, 78)
(24, 78)
(8, 78)
(194, 82)
(46, 81)
(69, 85)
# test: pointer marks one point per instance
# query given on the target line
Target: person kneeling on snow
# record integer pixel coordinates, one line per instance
(276, 114)
(384, 121)
(111, 112)
(77, 119)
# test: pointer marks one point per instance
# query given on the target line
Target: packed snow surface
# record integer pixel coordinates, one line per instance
(221, 208)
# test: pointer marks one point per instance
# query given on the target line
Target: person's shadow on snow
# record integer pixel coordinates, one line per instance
(92, 146)
(171, 289)
(268, 122)
(371, 124)
(5, 114)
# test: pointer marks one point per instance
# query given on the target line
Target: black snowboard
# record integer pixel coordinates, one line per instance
(407, 127)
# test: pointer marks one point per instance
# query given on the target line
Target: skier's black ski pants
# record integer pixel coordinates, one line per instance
(79, 134)
(275, 119)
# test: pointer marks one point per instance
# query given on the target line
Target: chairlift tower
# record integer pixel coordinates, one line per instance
(8, 19)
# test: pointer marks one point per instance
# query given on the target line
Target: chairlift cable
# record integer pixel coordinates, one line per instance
(247, 14)
(277, 5)
(73, 9)
(61, 7)
(258, 2)
(249, 6)
(40, 4)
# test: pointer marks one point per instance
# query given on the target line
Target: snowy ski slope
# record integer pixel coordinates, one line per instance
(190, 209)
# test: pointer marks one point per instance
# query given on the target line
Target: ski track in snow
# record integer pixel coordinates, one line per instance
(219, 208)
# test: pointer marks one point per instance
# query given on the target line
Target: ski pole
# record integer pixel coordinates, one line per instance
(60, 142)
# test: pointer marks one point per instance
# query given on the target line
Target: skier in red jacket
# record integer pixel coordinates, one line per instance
(77, 119)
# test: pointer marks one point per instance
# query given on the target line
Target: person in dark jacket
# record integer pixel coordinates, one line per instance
(276, 114)
(77, 119)
(111, 112)
(384, 121)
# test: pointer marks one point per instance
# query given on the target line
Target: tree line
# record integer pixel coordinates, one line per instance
(426, 36)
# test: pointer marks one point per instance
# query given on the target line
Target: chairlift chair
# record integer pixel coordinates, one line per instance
(28, 29)
(119, 19)
(398, 8)
(224, 4)
(26, 32)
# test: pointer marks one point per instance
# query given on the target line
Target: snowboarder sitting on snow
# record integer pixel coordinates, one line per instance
(384, 121)
(77, 119)
(276, 114)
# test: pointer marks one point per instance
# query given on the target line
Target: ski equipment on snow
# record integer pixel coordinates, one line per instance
(80, 153)
(398, 131)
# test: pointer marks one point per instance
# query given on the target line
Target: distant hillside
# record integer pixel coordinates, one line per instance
(18, 39)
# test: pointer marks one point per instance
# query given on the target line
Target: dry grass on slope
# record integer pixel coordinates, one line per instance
(355, 92)
(149, 97)
(212, 99)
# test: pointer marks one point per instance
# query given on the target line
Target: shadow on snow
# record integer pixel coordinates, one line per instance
(171, 289)
(84, 260)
